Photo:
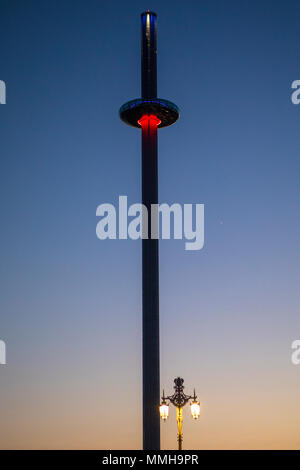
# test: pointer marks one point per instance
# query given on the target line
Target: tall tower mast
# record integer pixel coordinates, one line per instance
(150, 113)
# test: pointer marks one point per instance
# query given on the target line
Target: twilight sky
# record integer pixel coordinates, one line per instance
(70, 304)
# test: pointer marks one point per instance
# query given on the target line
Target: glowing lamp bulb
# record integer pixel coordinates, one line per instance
(195, 409)
(164, 411)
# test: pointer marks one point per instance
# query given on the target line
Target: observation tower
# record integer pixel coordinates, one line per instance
(150, 113)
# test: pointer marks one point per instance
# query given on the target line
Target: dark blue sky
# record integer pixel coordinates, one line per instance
(70, 303)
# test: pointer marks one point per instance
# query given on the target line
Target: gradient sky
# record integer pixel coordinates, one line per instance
(70, 304)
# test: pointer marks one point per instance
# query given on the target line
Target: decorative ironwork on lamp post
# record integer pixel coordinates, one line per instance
(179, 399)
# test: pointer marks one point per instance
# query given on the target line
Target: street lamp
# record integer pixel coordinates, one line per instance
(179, 399)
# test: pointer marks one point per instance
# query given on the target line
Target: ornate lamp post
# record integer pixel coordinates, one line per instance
(179, 399)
